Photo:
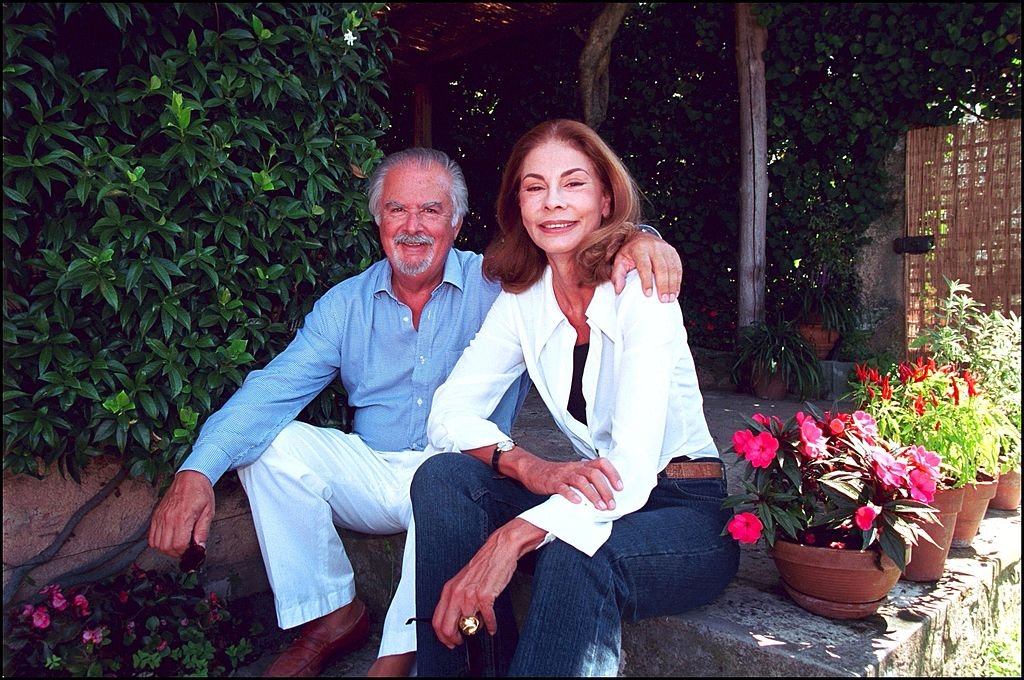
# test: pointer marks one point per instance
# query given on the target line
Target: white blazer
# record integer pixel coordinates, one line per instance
(644, 406)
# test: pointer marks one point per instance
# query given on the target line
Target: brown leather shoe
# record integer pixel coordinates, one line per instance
(318, 642)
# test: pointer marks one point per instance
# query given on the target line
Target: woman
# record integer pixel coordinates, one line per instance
(633, 528)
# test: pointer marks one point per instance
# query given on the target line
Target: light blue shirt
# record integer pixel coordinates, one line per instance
(360, 333)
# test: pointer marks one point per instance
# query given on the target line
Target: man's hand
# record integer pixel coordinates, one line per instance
(654, 260)
(185, 512)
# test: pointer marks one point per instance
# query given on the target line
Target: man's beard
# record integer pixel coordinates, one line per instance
(413, 268)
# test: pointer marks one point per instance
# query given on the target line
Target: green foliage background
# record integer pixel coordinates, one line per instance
(843, 82)
(181, 182)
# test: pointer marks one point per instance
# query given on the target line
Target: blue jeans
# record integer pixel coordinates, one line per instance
(663, 559)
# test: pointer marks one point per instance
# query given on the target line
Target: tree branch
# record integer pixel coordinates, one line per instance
(19, 573)
(594, 60)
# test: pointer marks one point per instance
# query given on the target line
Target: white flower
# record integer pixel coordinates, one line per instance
(350, 38)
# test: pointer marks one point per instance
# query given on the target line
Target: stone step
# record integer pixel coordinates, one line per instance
(753, 628)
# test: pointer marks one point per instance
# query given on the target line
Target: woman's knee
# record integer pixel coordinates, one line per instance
(442, 475)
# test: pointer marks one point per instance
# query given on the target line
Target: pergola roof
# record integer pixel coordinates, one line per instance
(434, 33)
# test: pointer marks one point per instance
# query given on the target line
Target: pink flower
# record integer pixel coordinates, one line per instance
(81, 605)
(58, 601)
(838, 545)
(867, 426)
(759, 450)
(865, 516)
(922, 486)
(745, 527)
(925, 460)
(812, 444)
(890, 471)
(93, 635)
(41, 618)
(27, 611)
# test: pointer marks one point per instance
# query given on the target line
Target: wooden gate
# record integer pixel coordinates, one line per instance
(963, 190)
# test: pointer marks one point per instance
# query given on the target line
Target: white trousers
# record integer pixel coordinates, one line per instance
(309, 480)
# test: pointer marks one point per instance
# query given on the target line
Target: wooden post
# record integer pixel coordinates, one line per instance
(422, 134)
(751, 39)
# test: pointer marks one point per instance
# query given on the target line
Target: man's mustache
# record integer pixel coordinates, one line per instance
(413, 240)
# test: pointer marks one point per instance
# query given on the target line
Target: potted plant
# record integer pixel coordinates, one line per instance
(826, 282)
(825, 316)
(989, 344)
(777, 359)
(935, 406)
(838, 506)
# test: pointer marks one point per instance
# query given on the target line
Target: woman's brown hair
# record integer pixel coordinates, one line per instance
(513, 259)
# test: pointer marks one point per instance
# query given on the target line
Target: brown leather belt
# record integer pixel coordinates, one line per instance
(692, 469)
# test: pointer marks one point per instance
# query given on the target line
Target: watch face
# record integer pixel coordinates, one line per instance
(506, 445)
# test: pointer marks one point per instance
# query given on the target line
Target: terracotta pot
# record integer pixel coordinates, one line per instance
(1007, 491)
(838, 584)
(968, 520)
(821, 339)
(766, 385)
(927, 561)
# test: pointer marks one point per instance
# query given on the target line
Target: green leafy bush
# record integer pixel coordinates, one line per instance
(181, 182)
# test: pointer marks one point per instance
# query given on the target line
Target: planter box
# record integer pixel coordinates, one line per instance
(35, 512)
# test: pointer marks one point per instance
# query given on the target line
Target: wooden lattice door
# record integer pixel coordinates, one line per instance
(963, 189)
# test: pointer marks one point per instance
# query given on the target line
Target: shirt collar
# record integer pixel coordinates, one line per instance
(600, 312)
(454, 273)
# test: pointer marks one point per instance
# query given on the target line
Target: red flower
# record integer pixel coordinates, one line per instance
(836, 426)
(81, 606)
(745, 527)
(759, 450)
(865, 516)
(764, 421)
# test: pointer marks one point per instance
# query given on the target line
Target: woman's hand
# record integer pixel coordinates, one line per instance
(475, 588)
(595, 479)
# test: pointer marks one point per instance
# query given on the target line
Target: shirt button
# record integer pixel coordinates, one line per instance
(419, 402)
(405, 319)
(423, 360)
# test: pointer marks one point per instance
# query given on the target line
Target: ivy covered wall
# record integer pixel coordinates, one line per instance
(181, 182)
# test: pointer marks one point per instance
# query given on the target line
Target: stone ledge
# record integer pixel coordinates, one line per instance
(926, 629)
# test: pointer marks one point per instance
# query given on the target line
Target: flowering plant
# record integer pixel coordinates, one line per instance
(137, 623)
(940, 408)
(829, 480)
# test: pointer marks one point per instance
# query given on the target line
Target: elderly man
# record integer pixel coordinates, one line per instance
(391, 335)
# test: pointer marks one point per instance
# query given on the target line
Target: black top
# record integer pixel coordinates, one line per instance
(577, 405)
